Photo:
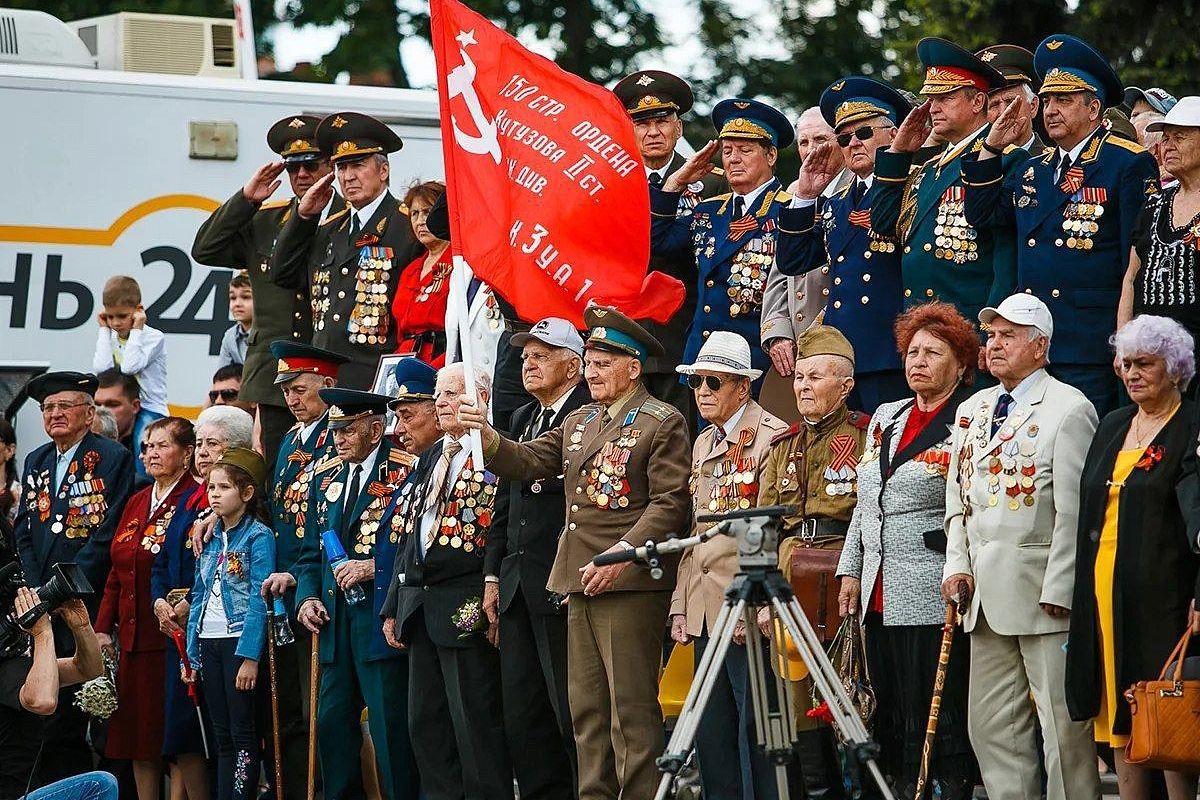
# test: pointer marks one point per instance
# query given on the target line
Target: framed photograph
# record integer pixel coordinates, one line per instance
(385, 381)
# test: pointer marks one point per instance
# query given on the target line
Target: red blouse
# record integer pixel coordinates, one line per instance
(419, 307)
(127, 603)
(917, 421)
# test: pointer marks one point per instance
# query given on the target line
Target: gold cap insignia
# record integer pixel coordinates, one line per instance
(282, 367)
(855, 110)
(336, 411)
(298, 144)
(987, 56)
(600, 312)
(599, 333)
(1059, 81)
(1054, 45)
(338, 122)
(296, 123)
(645, 80)
(402, 388)
(742, 106)
(740, 127)
(837, 87)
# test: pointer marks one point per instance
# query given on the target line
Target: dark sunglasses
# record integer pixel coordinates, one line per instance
(228, 395)
(711, 381)
(308, 166)
(862, 134)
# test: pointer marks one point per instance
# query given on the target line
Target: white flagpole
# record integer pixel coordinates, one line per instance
(245, 34)
(458, 295)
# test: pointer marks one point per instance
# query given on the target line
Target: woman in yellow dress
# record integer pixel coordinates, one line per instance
(1135, 570)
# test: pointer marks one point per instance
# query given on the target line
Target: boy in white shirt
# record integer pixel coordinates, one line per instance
(127, 343)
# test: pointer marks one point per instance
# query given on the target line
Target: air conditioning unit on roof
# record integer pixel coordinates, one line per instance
(165, 43)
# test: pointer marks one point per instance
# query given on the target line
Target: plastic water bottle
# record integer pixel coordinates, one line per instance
(280, 625)
(336, 555)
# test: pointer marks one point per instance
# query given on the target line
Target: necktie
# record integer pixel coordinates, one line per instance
(441, 477)
(1003, 404)
(859, 191)
(656, 179)
(1064, 163)
(354, 228)
(351, 495)
(543, 423)
(739, 207)
(719, 436)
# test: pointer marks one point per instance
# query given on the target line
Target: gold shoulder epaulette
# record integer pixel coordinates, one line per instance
(337, 216)
(403, 209)
(783, 197)
(327, 464)
(1010, 148)
(718, 198)
(269, 204)
(720, 173)
(658, 409)
(1124, 144)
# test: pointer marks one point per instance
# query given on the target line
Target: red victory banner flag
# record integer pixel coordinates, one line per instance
(546, 189)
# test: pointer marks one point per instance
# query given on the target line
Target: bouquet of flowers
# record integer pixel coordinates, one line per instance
(469, 619)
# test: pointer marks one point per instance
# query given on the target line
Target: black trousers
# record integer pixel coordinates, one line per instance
(291, 678)
(231, 712)
(537, 719)
(275, 422)
(455, 721)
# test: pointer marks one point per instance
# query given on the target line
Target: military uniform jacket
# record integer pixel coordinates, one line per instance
(733, 257)
(76, 522)
(529, 520)
(942, 256)
(864, 299)
(673, 334)
(325, 512)
(815, 468)
(242, 235)
(624, 481)
(291, 487)
(1073, 237)
(351, 283)
(1012, 503)
(724, 478)
(448, 576)
(897, 534)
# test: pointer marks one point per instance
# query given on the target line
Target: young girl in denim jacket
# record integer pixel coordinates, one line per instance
(227, 624)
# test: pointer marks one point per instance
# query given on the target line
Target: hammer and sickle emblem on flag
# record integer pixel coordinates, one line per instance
(461, 82)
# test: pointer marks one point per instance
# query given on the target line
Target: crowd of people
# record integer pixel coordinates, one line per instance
(958, 347)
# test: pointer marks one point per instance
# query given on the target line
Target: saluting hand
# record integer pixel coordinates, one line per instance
(696, 168)
(818, 170)
(913, 132)
(316, 198)
(263, 182)
(1007, 128)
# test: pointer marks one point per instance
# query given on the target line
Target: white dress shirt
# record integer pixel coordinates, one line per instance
(62, 461)
(800, 202)
(365, 213)
(366, 470)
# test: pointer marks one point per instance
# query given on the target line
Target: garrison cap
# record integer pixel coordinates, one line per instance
(949, 68)
(857, 98)
(653, 93)
(738, 118)
(295, 138)
(296, 359)
(1067, 65)
(247, 461)
(414, 381)
(49, 383)
(823, 340)
(350, 136)
(1014, 62)
(611, 330)
(348, 405)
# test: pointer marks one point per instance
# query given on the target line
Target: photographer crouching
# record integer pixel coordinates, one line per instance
(31, 675)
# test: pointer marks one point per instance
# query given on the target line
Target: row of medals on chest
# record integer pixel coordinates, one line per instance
(1011, 468)
(748, 276)
(1080, 222)
(85, 500)
(468, 514)
(954, 238)
(606, 484)
(368, 322)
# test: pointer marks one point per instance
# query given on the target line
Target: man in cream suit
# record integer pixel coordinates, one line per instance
(1012, 501)
(725, 467)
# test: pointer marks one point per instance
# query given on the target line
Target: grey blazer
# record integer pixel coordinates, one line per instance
(898, 522)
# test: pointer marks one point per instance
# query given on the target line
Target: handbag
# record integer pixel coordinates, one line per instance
(1165, 723)
(812, 572)
(849, 657)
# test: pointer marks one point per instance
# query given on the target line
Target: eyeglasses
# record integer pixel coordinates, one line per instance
(862, 134)
(308, 166)
(53, 408)
(228, 395)
(711, 381)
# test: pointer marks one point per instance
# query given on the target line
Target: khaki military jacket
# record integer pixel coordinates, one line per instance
(626, 480)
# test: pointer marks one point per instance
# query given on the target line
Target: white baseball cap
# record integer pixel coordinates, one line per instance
(1185, 114)
(723, 351)
(1021, 309)
(552, 331)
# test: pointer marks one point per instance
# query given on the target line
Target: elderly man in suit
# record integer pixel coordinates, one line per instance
(72, 494)
(520, 552)
(1012, 503)
(725, 465)
(623, 458)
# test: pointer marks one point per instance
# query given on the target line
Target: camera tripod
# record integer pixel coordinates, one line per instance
(759, 584)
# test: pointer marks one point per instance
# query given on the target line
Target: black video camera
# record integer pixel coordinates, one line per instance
(66, 582)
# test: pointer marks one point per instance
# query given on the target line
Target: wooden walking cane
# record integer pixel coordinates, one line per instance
(275, 708)
(314, 678)
(939, 684)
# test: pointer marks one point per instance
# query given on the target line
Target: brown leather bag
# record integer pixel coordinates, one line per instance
(1166, 717)
(812, 571)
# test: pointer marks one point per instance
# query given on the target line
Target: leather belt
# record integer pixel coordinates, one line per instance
(812, 529)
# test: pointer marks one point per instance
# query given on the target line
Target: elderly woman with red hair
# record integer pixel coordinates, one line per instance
(891, 565)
